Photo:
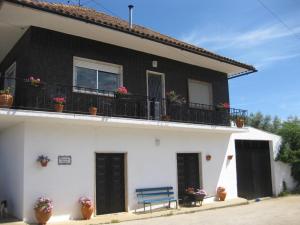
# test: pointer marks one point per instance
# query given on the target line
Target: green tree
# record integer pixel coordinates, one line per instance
(290, 148)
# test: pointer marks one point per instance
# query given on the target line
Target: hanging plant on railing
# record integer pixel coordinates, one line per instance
(35, 82)
(6, 99)
(59, 103)
(223, 106)
(172, 97)
(121, 92)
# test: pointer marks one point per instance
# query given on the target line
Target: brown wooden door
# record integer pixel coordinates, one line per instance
(110, 185)
(187, 172)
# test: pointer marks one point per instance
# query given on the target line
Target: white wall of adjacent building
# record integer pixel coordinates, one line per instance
(150, 154)
(12, 168)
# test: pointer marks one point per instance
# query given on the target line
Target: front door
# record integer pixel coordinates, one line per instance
(156, 94)
(188, 172)
(110, 185)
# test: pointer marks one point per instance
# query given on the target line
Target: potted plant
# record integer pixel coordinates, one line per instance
(87, 207)
(59, 103)
(35, 82)
(239, 121)
(93, 110)
(6, 99)
(165, 117)
(43, 160)
(43, 210)
(208, 157)
(121, 92)
(173, 97)
(221, 193)
(222, 106)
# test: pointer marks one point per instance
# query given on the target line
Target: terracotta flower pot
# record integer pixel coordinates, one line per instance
(166, 117)
(42, 217)
(222, 195)
(208, 157)
(44, 163)
(93, 111)
(6, 100)
(239, 122)
(87, 211)
(59, 107)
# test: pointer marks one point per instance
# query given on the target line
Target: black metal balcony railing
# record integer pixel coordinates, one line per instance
(79, 99)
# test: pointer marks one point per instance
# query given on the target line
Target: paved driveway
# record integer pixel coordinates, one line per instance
(279, 211)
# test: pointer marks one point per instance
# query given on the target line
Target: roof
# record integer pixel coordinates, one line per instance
(102, 19)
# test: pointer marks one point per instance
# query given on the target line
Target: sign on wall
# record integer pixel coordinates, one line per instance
(64, 160)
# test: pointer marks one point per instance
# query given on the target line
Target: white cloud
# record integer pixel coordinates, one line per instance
(261, 46)
(247, 39)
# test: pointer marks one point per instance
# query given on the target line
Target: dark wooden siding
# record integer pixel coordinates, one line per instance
(50, 55)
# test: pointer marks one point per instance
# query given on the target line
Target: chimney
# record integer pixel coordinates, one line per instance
(130, 15)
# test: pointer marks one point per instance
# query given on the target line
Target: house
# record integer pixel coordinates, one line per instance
(139, 140)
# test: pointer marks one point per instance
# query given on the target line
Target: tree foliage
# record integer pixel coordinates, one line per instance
(289, 130)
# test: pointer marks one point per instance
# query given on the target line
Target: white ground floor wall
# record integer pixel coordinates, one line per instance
(151, 161)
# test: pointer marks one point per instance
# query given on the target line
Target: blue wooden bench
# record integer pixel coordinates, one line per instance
(149, 196)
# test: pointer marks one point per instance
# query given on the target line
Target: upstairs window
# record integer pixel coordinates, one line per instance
(96, 76)
(200, 93)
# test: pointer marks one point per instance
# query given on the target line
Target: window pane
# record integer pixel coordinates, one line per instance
(108, 81)
(86, 78)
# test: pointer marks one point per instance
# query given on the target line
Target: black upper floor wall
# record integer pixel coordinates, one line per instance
(48, 55)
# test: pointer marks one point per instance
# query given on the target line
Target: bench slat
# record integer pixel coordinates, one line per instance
(157, 200)
(155, 194)
(153, 189)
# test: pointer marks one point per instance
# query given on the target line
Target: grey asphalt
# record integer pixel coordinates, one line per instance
(275, 211)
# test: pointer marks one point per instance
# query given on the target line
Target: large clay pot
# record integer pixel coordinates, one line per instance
(6, 100)
(93, 111)
(222, 195)
(239, 122)
(87, 211)
(42, 217)
(59, 107)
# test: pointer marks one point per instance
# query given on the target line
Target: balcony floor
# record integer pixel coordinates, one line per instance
(10, 117)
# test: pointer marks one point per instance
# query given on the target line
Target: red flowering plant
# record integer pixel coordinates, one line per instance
(36, 82)
(85, 202)
(224, 106)
(59, 100)
(121, 91)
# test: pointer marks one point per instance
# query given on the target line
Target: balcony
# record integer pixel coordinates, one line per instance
(78, 100)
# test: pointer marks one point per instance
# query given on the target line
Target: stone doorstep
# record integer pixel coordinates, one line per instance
(124, 216)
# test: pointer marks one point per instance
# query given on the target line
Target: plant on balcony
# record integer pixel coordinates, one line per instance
(6, 99)
(172, 97)
(239, 121)
(223, 106)
(93, 110)
(43, 160)
(35, 82)
(87, 207)
(59, 103)
(121, 92)
(43, 210)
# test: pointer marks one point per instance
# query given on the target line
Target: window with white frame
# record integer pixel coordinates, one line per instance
(96, 76)
(200, 93)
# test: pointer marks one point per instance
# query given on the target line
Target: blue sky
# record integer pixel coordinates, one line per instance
(241, 29)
